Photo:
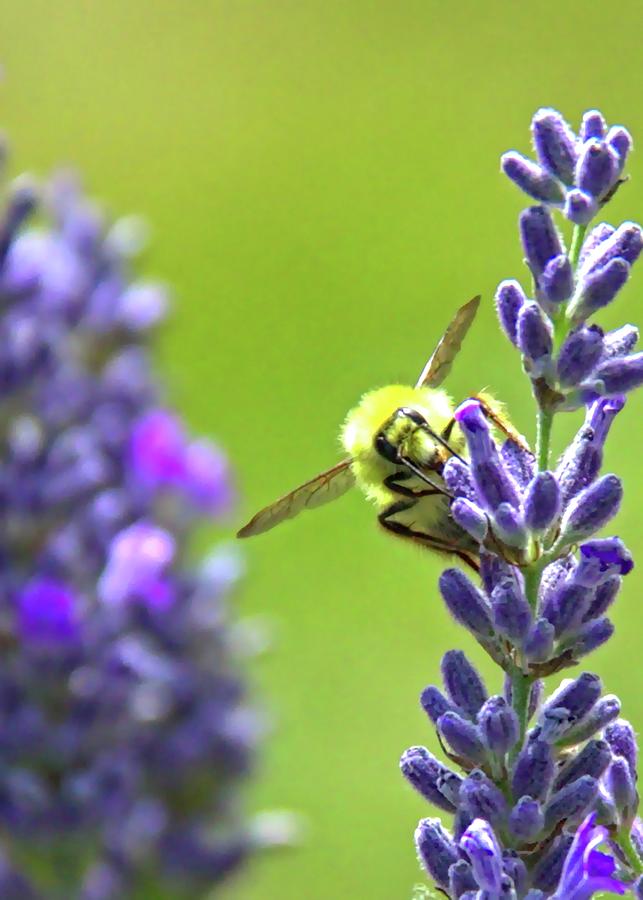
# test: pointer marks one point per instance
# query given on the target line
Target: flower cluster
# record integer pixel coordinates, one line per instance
(125, 726)
(542, 790)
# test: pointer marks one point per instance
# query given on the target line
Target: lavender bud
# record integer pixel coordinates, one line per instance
(464, 686)
(622, 739)
(625, 243)
(622, 788)
(535, 337)
(532, 178)
(597, 168)
(539, 643)
(535, 697)
(540, 240)
(604, 596)
(578, 695)
(458, 480)
(553, 576)
(519, 463)
(499, 726)
(593, 125)
(465, 602)
(422, 770)
(554, 724)
(511, 612)
(436, 851)
(580, 208)
(557, 280)
(515, 868)
(547, 871)
(526, 820)
(554, 143)
(601, 559)
(579, 354)
(494, 569)
(463, 737)
(582, 460)
(620, 375)
(570, 801)
(567, 606)
(434, 703)
(592, 760)
(606, 710)
(620, 342)
(509, 526)
(542, 502)
(598, 288)
(596, 236)
(483, 799)
(620, 140)
(591, 636)
(492, 482)
(637, 890)
(481, 846)
(533, 771)
(461, 879)
(470, 518)
(591, 509)
(449, 784)
(509, 300)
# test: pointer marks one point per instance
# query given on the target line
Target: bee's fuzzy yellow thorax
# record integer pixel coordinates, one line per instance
(367, 419)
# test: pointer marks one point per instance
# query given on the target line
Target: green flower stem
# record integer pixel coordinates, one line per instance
(543, 437)
(578, 236)
(624, 840)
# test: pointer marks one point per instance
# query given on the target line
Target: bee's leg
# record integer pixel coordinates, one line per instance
(494, 411)
(386, 520)
(392, 483)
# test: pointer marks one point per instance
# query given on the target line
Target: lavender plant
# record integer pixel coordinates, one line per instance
(545, 802)
(125, 728)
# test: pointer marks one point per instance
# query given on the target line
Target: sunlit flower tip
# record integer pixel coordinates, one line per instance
(598, 288)
(587, 871)
(141, 306)
(591, 636)
(481, 846)
(434, 703)
(542, 502)
(557, 280)
(136, 566)
(535, 337)
(593, 125)
(620, 140)
(436, 850)
(471, 518)
(498, 724)
(464, 686)
(622, 739)
(526, 819)
(207, 479)
(577, 695)
(597, 168)
(578, 355)
(622, 788)
(509, 300)
(462, 736)
(626, 242)
(531, 178)
(457, 477)
(156, 449)
(555, 143)
(602, 558)
(461, 879)
(534, 769)
(620, 341)
(539, 642)
(606, 710)
(534, 894)
(570, 801)
(593, 759)
(422, 770)
(619, 375)
(540, 239)
(596, 236)
(580, 207)
(512, 614)
(465, 602)
(591, 509)
(48, 613)
(492, 482)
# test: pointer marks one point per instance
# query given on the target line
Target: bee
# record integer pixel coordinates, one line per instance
(398, 439)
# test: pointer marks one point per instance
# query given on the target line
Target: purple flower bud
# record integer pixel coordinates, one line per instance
(461, 879)
(593, 125)
(499, 726)
(582, 460)
(557, 280)
(520, 464)
(464, 686)
(48, 614)
(465, 602)
(597, 167)
(509, 526)
(626, 242)
(540, 240)
(570, 801)
(592, 760)
(535, 337)
(580, 208)
(483, 799)
(532, 178)
(606, 710)
(458, 480)
(620, 140)
(533, 771)
(578, 695)
(449, 784)
(515, 868)
(534, 894)
(509, 300)
(598, 288)
(554, 143)
(620, 342)
(539, 643)
(511, 611)
(436, 851)
(591, 509)
(434, 703)
(138, 559)
(535, 696)
(578, 355)
(548, 869)
(492, 483)
(526, 820)
(470, 518)
(422, 770)
(553, 576)
(602, 558)
(566, 607)
(604, 595)
(622, 739)
(591, 636)
(622, 787)
(481, 846)
(620, 375)
(494, 569)
(554, 724)
(596, 236)
(542, 502)
(463, 737)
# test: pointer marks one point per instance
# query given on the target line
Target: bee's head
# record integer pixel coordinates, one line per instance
(406, 434)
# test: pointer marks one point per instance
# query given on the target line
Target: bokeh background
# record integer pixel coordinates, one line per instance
(322, 181)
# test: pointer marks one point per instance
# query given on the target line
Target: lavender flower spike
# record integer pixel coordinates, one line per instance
(481, 846)
(587, 870)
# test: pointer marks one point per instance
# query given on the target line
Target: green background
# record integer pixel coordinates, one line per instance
(323, 185)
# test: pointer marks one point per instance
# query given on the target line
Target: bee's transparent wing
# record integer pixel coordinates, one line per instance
(322, 489)
(439, 365)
